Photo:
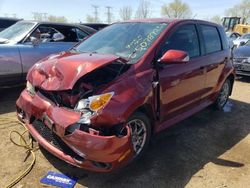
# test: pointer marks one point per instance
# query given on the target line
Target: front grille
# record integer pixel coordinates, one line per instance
(239, 59)
(53, 139)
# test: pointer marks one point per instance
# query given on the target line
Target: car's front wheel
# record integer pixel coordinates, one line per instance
(223, 95)
(140, 130)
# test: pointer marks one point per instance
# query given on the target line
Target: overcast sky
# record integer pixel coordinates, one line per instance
(76, 10)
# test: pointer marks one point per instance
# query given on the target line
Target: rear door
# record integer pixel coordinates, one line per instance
(215, 56)
(181, 85)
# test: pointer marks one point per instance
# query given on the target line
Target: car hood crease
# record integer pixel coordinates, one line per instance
(59, 72)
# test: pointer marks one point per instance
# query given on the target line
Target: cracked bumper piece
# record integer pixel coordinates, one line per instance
(47, 124)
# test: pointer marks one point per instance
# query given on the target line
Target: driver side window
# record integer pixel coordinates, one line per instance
(185, 38)
(44, 34)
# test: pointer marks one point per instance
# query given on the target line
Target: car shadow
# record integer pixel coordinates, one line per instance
(177, 154)
(8, 99)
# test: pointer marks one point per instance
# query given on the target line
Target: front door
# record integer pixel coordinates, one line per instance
(30, 53)
(181, 85)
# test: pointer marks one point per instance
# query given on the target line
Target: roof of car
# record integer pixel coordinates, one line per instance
(164, 20)
(167, 20)
(83, 27)
(12, 19)
(95, 24)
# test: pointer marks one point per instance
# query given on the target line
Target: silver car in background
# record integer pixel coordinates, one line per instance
(242, 59)
(241, 40)
(26, 42)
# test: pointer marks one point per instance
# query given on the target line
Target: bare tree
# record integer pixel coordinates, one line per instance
(126, 13)
(90, 19)
(61, 19)
(143, 10)
(38, 16)
(176, 9)
(216, 19)
(240, 10)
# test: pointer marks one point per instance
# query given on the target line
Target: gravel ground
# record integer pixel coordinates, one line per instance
(209, 149)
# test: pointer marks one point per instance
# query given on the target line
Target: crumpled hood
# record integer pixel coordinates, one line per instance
(62, 71)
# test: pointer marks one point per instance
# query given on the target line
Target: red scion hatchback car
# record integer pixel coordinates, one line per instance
(97, 105)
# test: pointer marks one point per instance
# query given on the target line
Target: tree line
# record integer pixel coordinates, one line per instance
(177, 9)
(174, 9)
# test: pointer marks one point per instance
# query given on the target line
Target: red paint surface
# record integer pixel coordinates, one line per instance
(184, 90)
(62, 72)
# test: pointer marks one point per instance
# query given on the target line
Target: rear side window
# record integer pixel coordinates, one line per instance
(211, 37)
(185, 38)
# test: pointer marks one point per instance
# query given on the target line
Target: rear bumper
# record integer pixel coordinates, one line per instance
(82, 149)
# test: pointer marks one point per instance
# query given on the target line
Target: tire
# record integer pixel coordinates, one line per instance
(223, 95)
(140, 128)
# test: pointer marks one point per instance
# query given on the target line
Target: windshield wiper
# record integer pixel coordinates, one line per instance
(75, 50)
(131, 54)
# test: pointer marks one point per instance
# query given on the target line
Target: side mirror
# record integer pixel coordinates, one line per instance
(57, 37)
(242, 43)
(174, 57)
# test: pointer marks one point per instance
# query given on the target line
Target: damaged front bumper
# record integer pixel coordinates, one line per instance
(47, 123)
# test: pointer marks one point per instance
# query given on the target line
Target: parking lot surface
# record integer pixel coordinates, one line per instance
(209, 149)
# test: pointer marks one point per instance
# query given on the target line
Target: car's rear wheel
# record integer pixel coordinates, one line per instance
(223, 95)
(140, 129)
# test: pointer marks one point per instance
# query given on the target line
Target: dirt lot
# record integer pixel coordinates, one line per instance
(210, 149)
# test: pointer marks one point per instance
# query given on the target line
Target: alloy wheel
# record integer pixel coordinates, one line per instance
(138, 131)
(224, 94)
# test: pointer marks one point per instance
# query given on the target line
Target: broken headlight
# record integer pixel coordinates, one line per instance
(30, 88)
(91, 105)
(94, 103)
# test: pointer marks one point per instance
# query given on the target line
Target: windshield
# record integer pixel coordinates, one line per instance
(247, 36)
(127, 40)
(17, 31)
(247, 43)
(226, 22)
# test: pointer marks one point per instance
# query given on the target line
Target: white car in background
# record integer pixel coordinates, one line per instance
(241, 40)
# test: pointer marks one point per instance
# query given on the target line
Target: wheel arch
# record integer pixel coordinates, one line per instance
(231, 78)
(149, 112)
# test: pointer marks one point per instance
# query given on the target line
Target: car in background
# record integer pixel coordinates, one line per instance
(7, 22)
(241, 59)
(26, 42)
(241, 40)
(96, 26)
(97, 105)
(233, 35)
